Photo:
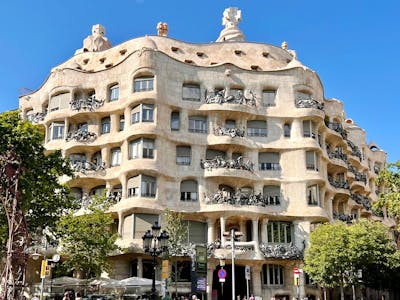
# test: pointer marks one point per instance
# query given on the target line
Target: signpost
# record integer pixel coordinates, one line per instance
(247, 275)
(296, 273)
(222, 276)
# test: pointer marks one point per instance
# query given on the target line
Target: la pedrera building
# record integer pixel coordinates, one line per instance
(233, 134)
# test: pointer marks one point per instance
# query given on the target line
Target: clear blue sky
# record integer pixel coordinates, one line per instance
(353, 45)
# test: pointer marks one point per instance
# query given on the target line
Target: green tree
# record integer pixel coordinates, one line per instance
(87, 238)
(177, 243)
(43, 199)
(388, 181)
(337, 251)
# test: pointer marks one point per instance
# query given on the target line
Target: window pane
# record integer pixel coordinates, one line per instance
(121, 122)
(175, 120)
(143, 84)
(191, 92)
(269, 98)
(105, 125)
(114, 92)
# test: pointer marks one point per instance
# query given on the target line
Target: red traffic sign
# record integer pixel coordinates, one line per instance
(296, 271)
(222, 273)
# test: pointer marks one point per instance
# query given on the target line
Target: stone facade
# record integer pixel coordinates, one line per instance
(232, 134)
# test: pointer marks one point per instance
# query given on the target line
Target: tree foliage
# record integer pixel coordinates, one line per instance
(43, 199)
(87, 239)
(177, 231)
(337, 251)
(388, 181)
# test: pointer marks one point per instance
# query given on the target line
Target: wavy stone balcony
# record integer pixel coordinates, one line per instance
(342, 185)
(37, 117)
(243, 250)
(337, 127)
(338, 157)
(281, 251)
(231, 132)
(86, 104)
(81, 136)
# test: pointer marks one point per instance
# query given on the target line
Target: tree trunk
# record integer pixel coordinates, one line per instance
(341, 291)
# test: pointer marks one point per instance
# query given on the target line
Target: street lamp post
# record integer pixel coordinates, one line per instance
(234, 235)
(155, 243)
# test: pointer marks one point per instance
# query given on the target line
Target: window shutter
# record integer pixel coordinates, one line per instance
(189, 186)
(183, 150)
(197, 232)
(142, 223)
(59, 101)
(211, 153)
(191, 92)
(272, 190)
(268, 157)
(133, 182)
(257, 124)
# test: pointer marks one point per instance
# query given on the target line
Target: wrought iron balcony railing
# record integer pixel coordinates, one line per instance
(360, 177)
(232, 132)
(344, 217)
(37, 117)
(364, 201)
(85, 167)
(88, 104)
(338, 183)
(303, 101)
(82, 136)
(221, 162)
(220, 97)
(239, 198)
(337, 127)
(281, 251)
(355, 151)
(337, 154)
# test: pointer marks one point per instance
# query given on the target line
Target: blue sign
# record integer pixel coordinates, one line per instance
(222, 273)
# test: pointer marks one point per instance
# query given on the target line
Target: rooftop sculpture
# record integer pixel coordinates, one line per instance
(95, 42)
(231, 17)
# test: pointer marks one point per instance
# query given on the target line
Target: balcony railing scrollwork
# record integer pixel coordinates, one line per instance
(220, 97)
(360, 177)
(240, 198)
(82, 136)
(337, 127)
(281, 251)
(339, 184)
(303, 101)
(364, 201)
(221, 162)
(86, 167)
(232, 132)
(344, 217)
(37, 117)
(90, 103)
(355, 151)
(337, 154)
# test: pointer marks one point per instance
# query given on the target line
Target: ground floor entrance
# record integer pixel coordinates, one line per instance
(224, 291)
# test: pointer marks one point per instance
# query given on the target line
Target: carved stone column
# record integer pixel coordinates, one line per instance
(297, 128)
(264, 230)
(105, 156)
(256, 280)
(210, 230)
(123, 185)
(139, 267)
(222, 222)
(120, 222)
(114, 123)
(210, 271)
(242, 228)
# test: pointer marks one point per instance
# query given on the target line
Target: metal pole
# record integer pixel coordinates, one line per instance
(153, 275)
(233, 262)
(41, 289)
(247, 286)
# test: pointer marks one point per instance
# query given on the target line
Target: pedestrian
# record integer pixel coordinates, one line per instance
(194, 297)
(251, 297)
(66, 296)
(78, 296)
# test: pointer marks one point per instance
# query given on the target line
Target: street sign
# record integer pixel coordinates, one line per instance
(165, 269)
(201, 259)
(222, 274)
(296, 273)
(247, 272)
(201, 284)
(43, 269)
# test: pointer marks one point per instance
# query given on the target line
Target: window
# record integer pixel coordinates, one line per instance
(257, 128)
(197, 232)
(279, 232)
(114, 92)
(230, 124)
(189, 190)
(60, 101)
(198, 124)
(142, 84)
(309, 129)
(148, 112)
(142, 223)
(268, 161)
(273, 274)
(105, 125)
(148, 148)
(83, 127)
(136, 114)
(56, 131)
(97, 159)
(212, 153)
(77, 193)
(286, 130)
(191, 92)
(183, 155)
(181, 271)
(268, 98)
(121, 122)
(313, 195)
(311, 160)
(141, 148)
(148, 186)
(97, 191)
(133, 186)
(77, 158)
(115, 157)
(175, 121)
(272, 195)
